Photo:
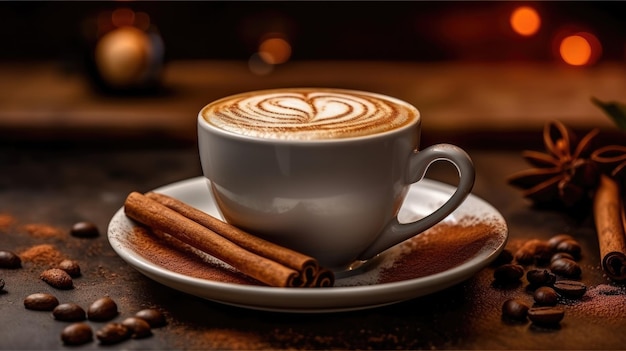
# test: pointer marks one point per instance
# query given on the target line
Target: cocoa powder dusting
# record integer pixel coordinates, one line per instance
(602, 301)
(220, 339)
(39, 230)
(442, 247)
(42, 255)
(176, 256)
(6, 221)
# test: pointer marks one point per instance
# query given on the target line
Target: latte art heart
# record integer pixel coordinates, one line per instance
(308, 114)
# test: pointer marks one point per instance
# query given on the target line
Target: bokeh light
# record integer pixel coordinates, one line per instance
(123, 56)
(259, 66)
(123, 17)
(579, 49)
(274, 49)
(142, 21)
(525, 21)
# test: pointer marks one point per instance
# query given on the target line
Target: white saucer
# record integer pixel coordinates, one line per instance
(359, 291)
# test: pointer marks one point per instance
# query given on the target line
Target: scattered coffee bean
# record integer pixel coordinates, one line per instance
(540, 277)
(515, 309)
(531, 251)
(41, 302)
(566, 268)
(139, 327)
(2, 284)
(571, 247)
(112, 333)
(77, 334)
(153, 316)
(561, 253)
(84, 230)
(57, 278)
(542, 255)
(554, 241)
(546, 296)
(558, 255)
(570, 288)
(508, 273)
(9, 259)
(71, 267)
(69, 312)
(546, 315)
(103, 309)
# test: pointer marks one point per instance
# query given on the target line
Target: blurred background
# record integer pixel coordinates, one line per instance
(143, 69)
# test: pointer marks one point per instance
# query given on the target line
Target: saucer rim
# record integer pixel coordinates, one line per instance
(344, 298)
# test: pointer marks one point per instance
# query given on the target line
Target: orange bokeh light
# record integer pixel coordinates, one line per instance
(275, 50)
(579, 49)
(525, 21)
(123, 17)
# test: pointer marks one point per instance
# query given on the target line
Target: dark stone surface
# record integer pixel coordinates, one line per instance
(58, 185)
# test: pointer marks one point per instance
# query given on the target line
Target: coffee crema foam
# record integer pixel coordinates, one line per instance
(308, 114)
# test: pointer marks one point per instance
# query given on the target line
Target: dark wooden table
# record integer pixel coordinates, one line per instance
(58, 184)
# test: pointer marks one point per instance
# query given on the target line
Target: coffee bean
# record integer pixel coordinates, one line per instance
(540, 277)
(570, 288)
(2, 284)
(543, 254)
(71, 267)
(554, 241)
(84, 230)
(546, 296)
(508, 273)
(41, 302)
(546, 315)
(558, 255)
(566, 268)
(69, 312)
(515, 309)
(571, 247)
(531, 251)
(103, 309)
(139, 327)
(9, 259)
(77, 334)
(57, 278)
(153, 316)
(112, 333)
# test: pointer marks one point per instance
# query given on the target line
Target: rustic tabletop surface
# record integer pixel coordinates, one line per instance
(46, 188)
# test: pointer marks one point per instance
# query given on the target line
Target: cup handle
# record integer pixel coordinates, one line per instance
(396, 232)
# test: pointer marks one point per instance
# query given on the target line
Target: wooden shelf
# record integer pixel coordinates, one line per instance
(41, 100)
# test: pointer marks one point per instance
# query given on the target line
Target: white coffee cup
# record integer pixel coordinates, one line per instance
(321, 171)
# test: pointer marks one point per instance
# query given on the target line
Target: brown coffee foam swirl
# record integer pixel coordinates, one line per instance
(308, 114)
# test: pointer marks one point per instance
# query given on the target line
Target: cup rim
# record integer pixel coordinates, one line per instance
(203, 123)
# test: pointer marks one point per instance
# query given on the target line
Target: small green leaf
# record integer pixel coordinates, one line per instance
(615, 110)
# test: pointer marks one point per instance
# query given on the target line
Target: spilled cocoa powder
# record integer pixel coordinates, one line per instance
(219, 339)
(40, 230)
(6, 221)
(43, 255)
(174, 255)
(443, 247)
(602, 301)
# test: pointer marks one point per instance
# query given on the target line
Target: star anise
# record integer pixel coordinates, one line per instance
(611, 160)
(565, 174)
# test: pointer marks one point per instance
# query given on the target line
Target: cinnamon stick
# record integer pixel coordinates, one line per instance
(159, 217)
(292, 259)
(609, 215)
(324, 278)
